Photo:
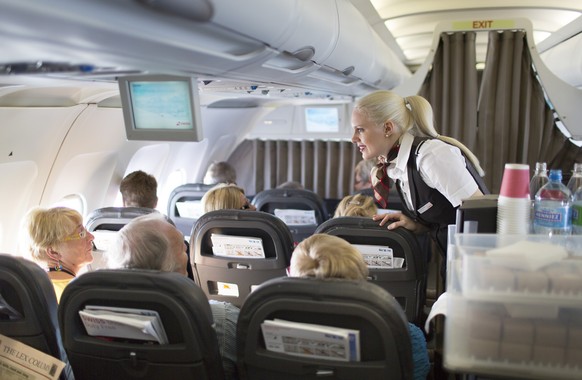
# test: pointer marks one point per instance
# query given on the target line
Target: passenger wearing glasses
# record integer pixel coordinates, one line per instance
(57, 240)
(226, 197)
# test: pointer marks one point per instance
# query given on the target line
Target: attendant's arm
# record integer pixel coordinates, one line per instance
(398, 219)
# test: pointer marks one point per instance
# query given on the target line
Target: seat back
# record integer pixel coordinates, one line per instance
(232, 278)
(406, 284)
(293, 199)
(26, 288)
(385, 347)
(114, 218)
(192, 351)
(104, 222)
(184, 206)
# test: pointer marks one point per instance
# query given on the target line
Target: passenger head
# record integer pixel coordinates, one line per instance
(149, 242)
(327, 256)
(356, 205)
(139, 189)
(362, 179)
(224, 197)
(57, 239)
(290, 185)
(220, 172)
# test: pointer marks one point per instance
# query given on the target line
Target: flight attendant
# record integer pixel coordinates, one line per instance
(431, 173)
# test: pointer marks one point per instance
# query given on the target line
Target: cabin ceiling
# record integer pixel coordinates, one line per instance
(409, 24)
(99, 40)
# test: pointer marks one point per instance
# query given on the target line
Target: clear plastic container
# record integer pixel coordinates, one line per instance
(577, 212)
(575, 181)
(552, 207)
(514, 306)
(539, 179)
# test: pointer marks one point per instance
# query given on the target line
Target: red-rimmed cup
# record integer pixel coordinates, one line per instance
(515, 182)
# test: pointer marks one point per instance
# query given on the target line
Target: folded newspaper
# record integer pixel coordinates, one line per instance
(237, 246)
(311, 340)
(19, 361)
(125, 323)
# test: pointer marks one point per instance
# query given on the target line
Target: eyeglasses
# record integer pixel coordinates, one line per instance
(77, 235)
(246, 206)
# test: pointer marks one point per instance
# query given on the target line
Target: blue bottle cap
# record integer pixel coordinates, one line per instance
(555, 175)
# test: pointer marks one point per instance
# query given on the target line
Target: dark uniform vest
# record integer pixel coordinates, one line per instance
(430, 207)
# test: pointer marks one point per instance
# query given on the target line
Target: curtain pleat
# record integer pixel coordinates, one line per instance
(325, 167)
(515, 122)
(452, 87)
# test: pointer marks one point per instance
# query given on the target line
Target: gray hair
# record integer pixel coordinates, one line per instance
(143, 243)
(364, 168)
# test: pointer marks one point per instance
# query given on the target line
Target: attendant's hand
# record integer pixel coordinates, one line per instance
(398, 219)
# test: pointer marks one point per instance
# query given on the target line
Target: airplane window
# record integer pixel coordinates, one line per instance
(74, 201)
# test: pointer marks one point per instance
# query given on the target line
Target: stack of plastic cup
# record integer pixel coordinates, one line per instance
(514, 204)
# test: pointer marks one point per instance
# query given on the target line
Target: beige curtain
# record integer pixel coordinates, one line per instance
(504, 117)
(325, 167)
(452, 87)
(515, 122)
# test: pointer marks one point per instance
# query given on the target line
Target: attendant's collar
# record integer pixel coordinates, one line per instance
(401, 160)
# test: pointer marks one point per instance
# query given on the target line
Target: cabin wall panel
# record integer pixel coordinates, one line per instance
(92, 159)
(29, 143)
(16, 190)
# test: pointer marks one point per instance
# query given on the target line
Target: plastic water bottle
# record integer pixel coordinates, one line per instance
(576, 180)
(552, 207)
(539, 179)
(577, 212)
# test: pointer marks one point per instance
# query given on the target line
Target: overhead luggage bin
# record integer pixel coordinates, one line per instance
(125, 34)
(359, 52)
(321, 44)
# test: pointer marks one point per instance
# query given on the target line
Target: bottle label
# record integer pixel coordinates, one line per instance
(577, 215)
(553, 217)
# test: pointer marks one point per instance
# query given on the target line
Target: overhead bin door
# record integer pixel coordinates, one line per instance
(303, 32)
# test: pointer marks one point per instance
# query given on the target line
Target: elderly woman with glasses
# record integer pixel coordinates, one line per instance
(225, 197)
(58, 241)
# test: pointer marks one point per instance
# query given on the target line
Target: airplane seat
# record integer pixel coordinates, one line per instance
(301, 209)
(104, 223)
(233, 251)
(29, 308)
(191, 351)
(114, 218)
(385, 346)
(184, 206)
(406, 284)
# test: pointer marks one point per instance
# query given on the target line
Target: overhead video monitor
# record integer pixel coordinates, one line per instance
(161, 108)
(322, 119)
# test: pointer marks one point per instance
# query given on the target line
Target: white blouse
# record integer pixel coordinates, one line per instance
(441, 166)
